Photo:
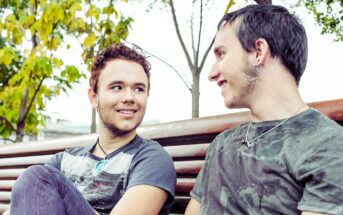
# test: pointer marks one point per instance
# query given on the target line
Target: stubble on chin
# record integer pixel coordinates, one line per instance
(105, 120)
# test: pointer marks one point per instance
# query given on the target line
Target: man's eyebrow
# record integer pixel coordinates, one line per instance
(122, 82)
(115, 82)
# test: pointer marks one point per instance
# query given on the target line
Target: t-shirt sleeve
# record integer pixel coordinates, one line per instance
(196, 192)
(321, 170)
(153, 166)
(55, 160)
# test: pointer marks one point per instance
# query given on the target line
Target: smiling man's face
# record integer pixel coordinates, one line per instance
(232, 69)
(121, 96)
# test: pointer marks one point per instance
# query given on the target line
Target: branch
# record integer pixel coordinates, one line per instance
(33, 98)
(189, 61)
(188, 85)
(192, 32)
(199, 35)
(205, 54)
(7, 139)
(8, 123)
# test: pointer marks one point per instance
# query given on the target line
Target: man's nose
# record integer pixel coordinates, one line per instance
(128, 96)
(214, 73)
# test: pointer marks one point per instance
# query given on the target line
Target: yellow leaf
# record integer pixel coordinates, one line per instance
(89, 40)
(229, 5)
(57, 62)
(9, 55)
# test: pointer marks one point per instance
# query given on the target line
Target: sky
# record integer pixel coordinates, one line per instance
(169, 98)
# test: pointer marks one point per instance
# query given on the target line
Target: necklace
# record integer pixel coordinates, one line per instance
(249, 143)
(101, 164)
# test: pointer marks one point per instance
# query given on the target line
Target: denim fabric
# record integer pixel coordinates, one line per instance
(44, 190)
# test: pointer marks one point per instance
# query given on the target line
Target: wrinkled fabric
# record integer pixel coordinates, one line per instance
(296, 167)
(42, 190)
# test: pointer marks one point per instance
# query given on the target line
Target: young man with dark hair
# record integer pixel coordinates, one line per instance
(121, 173)
(288, 159)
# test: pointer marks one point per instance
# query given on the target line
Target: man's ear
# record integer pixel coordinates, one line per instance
(93, 98)
(262, 51)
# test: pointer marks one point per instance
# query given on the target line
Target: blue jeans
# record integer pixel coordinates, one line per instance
(44, 190)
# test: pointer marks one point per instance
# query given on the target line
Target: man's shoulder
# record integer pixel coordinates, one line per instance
(148, 144)
(78, 150)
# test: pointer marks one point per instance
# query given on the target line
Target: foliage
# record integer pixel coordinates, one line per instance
(328, 14)
(31, 70)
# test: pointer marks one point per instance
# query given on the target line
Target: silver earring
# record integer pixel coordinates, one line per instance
(257, 68)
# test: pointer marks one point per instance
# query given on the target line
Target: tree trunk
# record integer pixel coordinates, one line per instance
(21, 119)
(93, 125)
(195, 93)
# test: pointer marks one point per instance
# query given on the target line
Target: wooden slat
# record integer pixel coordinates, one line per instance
(196, 150)
(4, 207)
(188, 167)
(29, 148)
(5, 196)
(23, 161)
(6, 184)
(10, 173)
(185, 185)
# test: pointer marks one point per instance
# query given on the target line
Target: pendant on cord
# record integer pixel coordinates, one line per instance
(246, 142)
(100, 165)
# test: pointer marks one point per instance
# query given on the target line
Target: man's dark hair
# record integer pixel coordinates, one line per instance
(116, 51)
(282, 30)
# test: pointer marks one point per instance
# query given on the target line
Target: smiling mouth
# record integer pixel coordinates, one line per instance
(127, 111)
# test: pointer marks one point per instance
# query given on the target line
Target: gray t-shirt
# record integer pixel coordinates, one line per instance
(141, 162)
(296, 167)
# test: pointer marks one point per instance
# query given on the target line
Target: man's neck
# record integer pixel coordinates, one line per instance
(276, 105)
(110, 142)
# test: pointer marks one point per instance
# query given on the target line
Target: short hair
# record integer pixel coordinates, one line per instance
(282, 30)
(116, 51)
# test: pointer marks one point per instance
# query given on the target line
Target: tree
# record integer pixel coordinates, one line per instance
(33, 71)
(328, 14)
(195, 61)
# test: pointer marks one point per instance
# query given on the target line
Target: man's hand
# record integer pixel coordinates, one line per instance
(142, 200)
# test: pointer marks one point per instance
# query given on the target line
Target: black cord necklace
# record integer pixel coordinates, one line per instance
(101, 164)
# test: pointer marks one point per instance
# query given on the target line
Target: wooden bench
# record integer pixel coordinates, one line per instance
(186, 141)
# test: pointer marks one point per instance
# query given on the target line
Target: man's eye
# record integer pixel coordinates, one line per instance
(221, 54)
(140, 89)
(116, 88)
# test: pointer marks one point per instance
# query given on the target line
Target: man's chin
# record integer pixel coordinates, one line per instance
(233, 105)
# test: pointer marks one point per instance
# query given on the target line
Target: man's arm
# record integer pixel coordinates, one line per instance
(141, 199)
(193, 208)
